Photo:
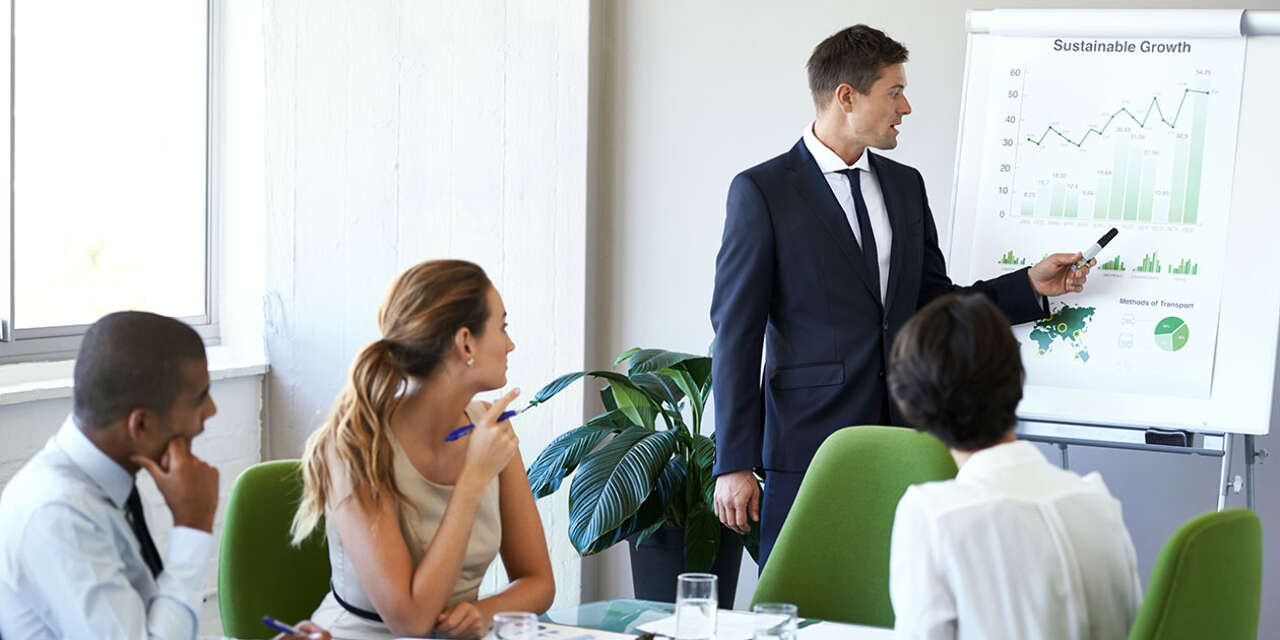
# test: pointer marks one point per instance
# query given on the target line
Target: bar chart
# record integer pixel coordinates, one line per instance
(1114, 264)
(1008, 258)
(1150, 264)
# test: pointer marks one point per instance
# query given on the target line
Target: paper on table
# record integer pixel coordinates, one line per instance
(730, 625)
(737, 625)
(552, 631)
(835, 630)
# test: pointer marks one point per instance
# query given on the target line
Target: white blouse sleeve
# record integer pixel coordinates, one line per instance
(923, 605)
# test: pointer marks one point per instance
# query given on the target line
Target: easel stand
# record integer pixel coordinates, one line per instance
(1218, 445)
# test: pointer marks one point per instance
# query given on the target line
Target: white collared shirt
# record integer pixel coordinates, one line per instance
(1013, 547)
(831, 165)
(70, 565)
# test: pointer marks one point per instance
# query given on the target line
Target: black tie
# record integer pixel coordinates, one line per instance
(137, 522)
(869, 253)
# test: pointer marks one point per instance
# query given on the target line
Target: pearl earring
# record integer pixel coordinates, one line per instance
(471, 361)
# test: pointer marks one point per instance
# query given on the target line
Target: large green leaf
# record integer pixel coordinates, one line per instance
(633, 402)
(626, 355)
(614, 480)
(562, 456)
(561, 383)
(659, 385)
(690, 390)
(650, 514)
(704, 458)
(701, 539)
(701, 371)
(646, 360)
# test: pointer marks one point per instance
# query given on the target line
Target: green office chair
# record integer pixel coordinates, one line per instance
(259, 572)
(1207, 582)
(831, 558)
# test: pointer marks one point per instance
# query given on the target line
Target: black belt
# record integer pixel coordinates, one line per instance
(363, 613)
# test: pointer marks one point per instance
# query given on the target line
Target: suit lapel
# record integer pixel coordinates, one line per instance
(808, 180)
(892, 202)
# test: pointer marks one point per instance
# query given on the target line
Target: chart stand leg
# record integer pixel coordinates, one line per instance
(1250, 455)
(1063, 448)
(1224, 482)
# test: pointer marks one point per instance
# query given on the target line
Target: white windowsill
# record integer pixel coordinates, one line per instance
(30, 381)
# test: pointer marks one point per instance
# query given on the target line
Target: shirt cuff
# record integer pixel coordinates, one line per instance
(187, 560)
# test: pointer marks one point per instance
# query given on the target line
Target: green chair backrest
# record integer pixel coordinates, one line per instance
(1207, 582)
(259, 572)
(831, 558)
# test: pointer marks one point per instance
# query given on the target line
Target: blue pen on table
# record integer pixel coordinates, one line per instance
(279, 626)
(465, 429)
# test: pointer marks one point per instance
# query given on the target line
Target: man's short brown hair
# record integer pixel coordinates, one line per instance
(132, 360)
(852, 56)
(955, 372)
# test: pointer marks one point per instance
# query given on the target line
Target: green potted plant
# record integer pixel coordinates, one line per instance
(643, 472)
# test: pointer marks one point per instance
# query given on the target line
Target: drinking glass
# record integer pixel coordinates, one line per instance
(515, 625)
(774, 621)
(696, 606)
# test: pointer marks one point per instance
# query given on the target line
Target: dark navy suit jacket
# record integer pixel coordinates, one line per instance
(790, 272)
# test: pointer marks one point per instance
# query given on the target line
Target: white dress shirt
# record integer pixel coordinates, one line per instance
(70, 565)
(831, 166)
(1013, 547)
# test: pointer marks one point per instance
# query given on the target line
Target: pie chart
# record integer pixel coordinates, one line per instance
(1172, 334)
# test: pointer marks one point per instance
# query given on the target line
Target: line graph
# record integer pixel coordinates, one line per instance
(1130, 164)
(1155, 105)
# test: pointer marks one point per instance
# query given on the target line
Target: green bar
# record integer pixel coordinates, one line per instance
(1028, 206)
(1101, 197)
(1196, 162)
(1042, 202)
(1059, 194)
(1179, 191)
(1148, 188)
(1073, 204)
(1117, 183)
(1133, 178)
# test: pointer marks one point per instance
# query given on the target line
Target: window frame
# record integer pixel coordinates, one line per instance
(62, 342)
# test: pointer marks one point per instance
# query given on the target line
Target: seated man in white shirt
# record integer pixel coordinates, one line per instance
(1013, 547)
(76, 558)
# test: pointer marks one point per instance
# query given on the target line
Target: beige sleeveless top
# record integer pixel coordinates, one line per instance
(418, 528)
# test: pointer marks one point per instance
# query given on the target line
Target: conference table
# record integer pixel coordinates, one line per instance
(627, 616)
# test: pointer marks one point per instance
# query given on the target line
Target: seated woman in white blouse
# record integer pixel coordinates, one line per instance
(1013, 547)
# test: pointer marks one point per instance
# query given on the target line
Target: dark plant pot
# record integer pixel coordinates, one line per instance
(656, 563)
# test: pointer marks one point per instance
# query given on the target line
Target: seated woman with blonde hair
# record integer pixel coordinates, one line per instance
(413, 521)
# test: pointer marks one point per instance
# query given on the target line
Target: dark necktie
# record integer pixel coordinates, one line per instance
(137, 522)
(869, 253)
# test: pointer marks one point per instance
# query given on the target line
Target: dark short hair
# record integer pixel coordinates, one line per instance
(852, 56)
(132, 360)
(956, 373)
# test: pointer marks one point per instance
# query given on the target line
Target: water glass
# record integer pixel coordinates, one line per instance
(696, 606)
(515, 625)
(774, 621)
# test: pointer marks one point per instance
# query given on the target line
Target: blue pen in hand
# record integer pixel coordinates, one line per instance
(465, 429)
(279, 626)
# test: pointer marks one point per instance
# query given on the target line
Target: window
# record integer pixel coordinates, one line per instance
(108, 168)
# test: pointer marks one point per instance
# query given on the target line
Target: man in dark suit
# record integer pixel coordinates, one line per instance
(827, 250)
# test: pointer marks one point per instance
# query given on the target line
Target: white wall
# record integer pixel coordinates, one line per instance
(685, 95)
(403, 131)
